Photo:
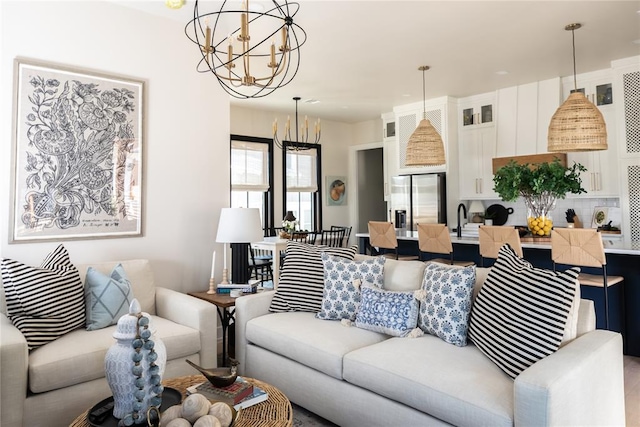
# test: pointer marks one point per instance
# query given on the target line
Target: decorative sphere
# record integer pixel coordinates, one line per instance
(137, 343)
(146, 334)
(158, 389)
(149, 344)
(152, 357)
(155, 379)
(155, 401)
(139, 382)
(139, 394)
(128, 420)
(137, 370)
(154, 370)
(143, 321)
(136, 357)
(137, 406)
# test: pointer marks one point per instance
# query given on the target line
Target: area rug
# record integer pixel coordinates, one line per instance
(304, 418)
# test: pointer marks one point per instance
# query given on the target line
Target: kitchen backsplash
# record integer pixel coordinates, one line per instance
(583, 207)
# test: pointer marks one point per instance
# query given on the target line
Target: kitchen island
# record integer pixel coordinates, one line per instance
(622, 260)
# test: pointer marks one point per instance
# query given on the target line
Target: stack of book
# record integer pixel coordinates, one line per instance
(240, 394)
(246, 288)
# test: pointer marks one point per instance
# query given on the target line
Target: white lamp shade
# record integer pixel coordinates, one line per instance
(476, 207)
(239, 225)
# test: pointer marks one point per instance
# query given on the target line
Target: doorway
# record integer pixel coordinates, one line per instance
(370, 188)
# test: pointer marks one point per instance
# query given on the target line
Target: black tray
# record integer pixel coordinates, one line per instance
(170, 397)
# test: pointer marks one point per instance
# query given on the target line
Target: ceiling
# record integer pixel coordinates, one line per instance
(361, 57)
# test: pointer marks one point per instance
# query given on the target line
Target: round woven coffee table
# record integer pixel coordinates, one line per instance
(276, 411)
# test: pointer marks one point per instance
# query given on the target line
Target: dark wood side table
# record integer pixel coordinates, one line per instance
(225, 305)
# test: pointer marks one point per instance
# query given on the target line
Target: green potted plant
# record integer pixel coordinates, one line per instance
(540, 185)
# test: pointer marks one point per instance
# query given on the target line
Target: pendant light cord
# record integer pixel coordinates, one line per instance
(424, 96)
(573, 42)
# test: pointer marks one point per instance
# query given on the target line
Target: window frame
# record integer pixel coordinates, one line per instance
(268, 199)
(316, 196)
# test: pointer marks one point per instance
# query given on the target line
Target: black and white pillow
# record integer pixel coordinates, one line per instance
(520, 313)
(301, 284)
(47, 302)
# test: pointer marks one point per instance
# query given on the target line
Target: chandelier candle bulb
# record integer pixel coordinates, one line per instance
(273, 55)
(283, 48)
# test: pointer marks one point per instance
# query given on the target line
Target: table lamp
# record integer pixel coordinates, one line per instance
(477, 210)
(238, 227)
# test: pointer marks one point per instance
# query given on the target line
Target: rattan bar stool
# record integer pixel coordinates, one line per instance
(493, 237)
(435, 239)
(583, 247)
(382, 235)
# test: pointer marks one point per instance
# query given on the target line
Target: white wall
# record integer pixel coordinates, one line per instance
(335, 142)
(186, 175)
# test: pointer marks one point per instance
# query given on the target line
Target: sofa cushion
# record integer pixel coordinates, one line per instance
(342, 279)
(457, 385)
(79, 356)
(106, 297)
(403, 275)
(47, 302)
(393, 313)
(313, 342)
(520, 314)
(445, 310)
(140, 276)
(301, 283)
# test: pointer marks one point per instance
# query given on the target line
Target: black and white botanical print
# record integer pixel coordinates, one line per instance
(78, 155)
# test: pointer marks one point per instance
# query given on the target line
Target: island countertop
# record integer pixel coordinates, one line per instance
(611, 245)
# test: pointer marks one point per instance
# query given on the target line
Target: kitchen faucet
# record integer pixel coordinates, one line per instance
(464, 211)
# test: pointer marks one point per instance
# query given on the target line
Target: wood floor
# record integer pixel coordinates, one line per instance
(632, 390)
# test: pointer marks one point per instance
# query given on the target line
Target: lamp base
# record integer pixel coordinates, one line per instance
(212, 286)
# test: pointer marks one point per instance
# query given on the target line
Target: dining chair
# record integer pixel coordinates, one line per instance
(304, 237)
(493, 237)
(347, 233)
(382, 235)
(334, 237)
(583, 247)
(435, 239)
(260, 269)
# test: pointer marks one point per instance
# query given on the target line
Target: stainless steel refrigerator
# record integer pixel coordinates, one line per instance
(418, 199)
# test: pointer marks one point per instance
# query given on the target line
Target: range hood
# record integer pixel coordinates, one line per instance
(498, 162)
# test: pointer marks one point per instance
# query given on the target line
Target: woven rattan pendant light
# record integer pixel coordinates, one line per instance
(577, 125)
(425, 147)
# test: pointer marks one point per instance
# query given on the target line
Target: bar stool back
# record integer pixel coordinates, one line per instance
(583, 247)
(493, 237)
(382, 235)
(435, 239)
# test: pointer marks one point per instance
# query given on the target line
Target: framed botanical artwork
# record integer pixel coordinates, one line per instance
(336, 191)
(77, 154)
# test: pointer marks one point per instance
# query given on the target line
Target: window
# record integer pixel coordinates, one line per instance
(301, 171)
(251, 180)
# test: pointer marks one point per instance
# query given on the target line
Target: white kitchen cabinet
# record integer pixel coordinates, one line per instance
(601, 178)
(523, 116)
(388, 142)
(626, 96)
(476, 147)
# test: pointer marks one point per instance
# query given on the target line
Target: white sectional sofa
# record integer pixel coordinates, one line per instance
(355, 377)
(53, 384)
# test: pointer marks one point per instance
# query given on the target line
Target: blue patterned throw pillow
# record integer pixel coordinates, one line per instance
(107, 298)
(444, 312)
(389, 312)
(342, 279)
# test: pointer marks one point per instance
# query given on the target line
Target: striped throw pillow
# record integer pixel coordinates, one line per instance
(520, 313)
(301, 283)
(47, 302)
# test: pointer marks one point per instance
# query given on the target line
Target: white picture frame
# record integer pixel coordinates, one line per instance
(77, 161)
